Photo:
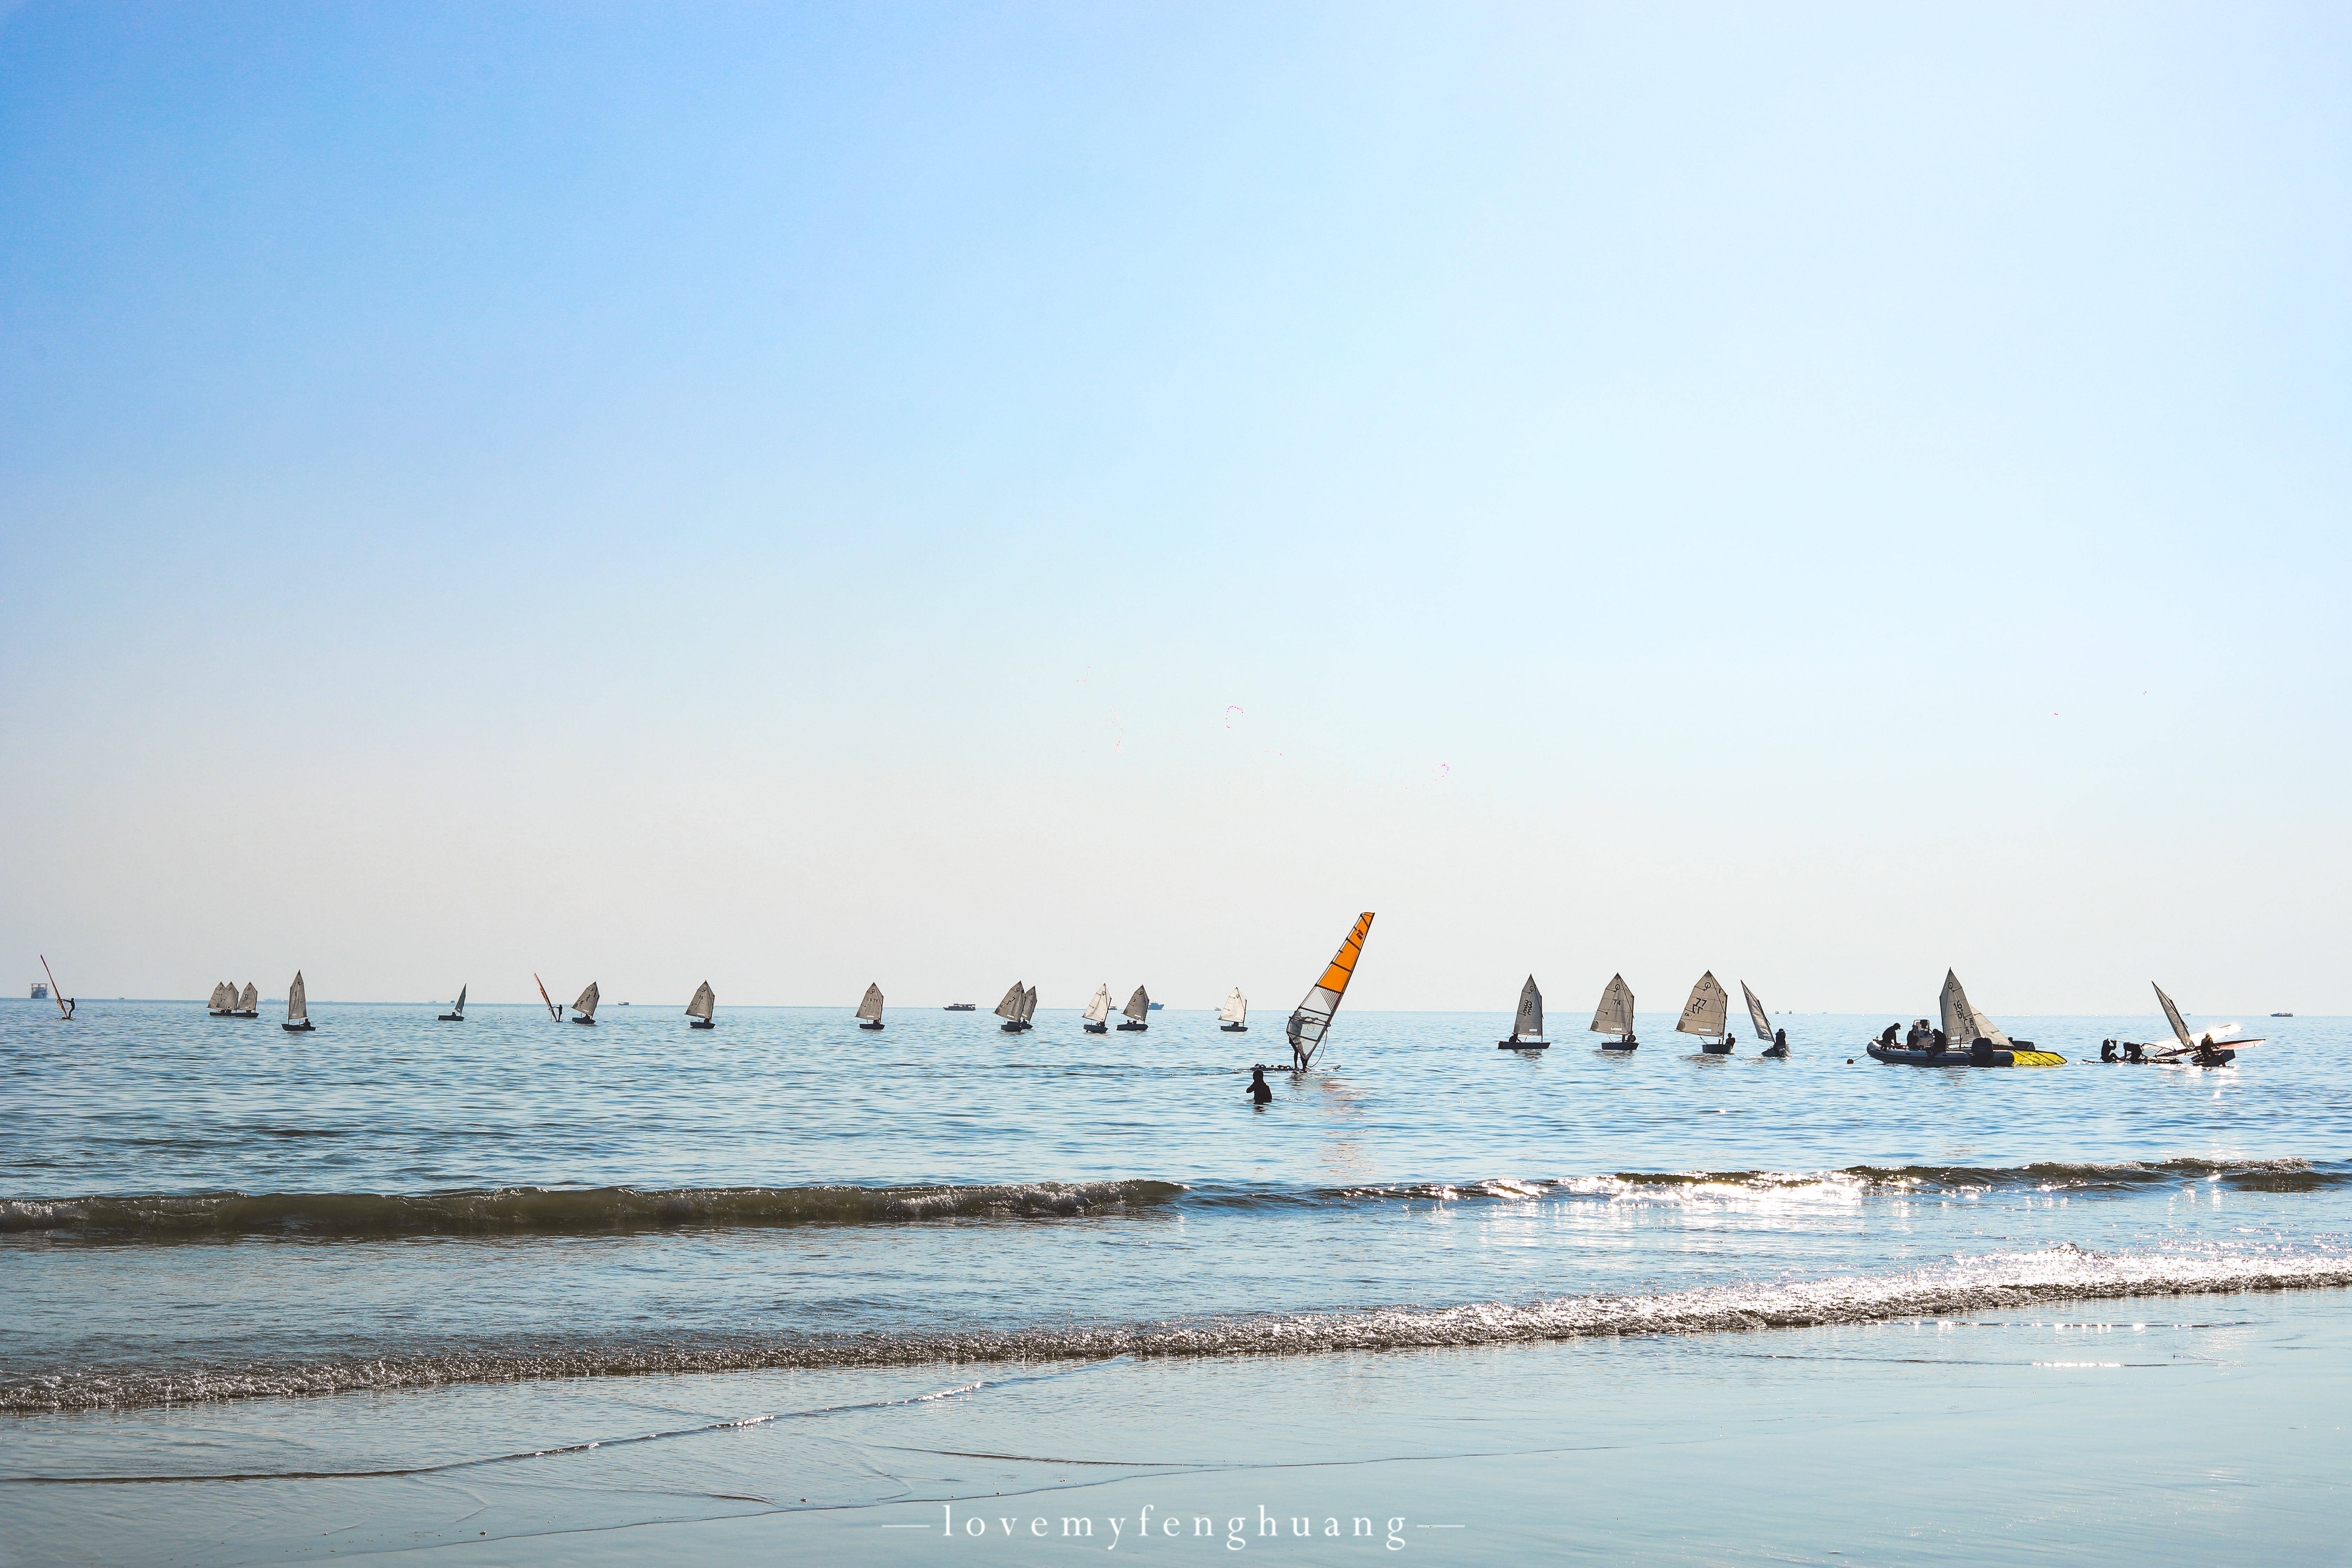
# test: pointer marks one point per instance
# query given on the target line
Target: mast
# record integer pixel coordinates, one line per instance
(1311, 1019)
(55, 996)
(552, 1010)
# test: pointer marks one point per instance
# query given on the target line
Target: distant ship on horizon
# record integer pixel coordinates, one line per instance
(40, 992)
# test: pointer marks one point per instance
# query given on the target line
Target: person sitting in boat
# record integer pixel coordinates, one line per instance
(2208, 1054)
(1937, 1042)
(1980, 1051)
(1259, 1092)
(1779, 1045)
(2134, 1051)
(1887, 1040)
(2108, 1051)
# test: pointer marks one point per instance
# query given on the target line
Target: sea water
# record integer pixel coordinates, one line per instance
(517, 1290)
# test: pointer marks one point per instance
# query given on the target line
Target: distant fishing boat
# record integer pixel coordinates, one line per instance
(223, 1001)
(1097, 1009)
(1615, 1016)
(1156, 1007)
(457, 1013)
(1965, 1025)
(1527, 1023)
(1233, 1019)
(583, 1011)
(297, 1007)
(1773, 1045)
(869, 1011)
(1138, 1011)
(66, 1003)
(1311, 1019)
(1010, 1010)
(701, 1007)
(2282, 1015)
(961, 1007)
(1708, 1015)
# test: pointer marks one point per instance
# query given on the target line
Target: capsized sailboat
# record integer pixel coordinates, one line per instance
(1971, 1039)
(1096, 1011)
(869, 1010)
(1138, 1011)
(2212, 1048)
(701, 1007)
(1010, 1011)
(297, 1007)
(1774, 1046)
(1233, 1019)
(1311, 1019)
(457, 1013)
(248, 1001)
(1615, 1016)
(1527, 1023)
(222, 1003)
(583, 1011)
(1708, 1015)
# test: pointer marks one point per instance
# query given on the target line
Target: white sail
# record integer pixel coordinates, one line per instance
(1010, 1008)
(461, 1000)
(1138, 1005)
(1029, 1004)
(1707, 1010)
(2172, 1016)
(1615, 1014)
(250, 1001)
(1757, 1016)
(870, 1008)
(586, 1006)
(1963, 1025)
(298, 1000)
(1098, 1004)
(1236, 1010)
(1528, 1020)
(221, 998)
(704, 1001)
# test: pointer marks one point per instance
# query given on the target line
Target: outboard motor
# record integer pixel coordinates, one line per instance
(1980, 1052)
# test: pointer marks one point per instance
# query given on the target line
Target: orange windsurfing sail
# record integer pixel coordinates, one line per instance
(1313, 1017)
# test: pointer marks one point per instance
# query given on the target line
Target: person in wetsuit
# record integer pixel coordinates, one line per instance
(1888, 1039)
(1779, 1045)
(2108, 1051)
(2134, 1051)
(1938, 1043)
(2208, 1054)
(1259, 1092)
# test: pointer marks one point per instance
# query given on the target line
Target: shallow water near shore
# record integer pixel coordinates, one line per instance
(776, 1248)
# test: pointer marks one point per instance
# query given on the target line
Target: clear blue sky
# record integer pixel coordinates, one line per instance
(802, 495)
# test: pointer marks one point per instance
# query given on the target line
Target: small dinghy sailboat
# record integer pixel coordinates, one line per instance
(248, 1002)
(223, 1001)
(1311, 1019)
(869, 1009)
(1010, 1010)
(456, 1014)
(2214, 1048)
(1615, 1016)
(1708, 1015)
(1774, 1046)
(1138, 1011)
(583, 1011)
(701, 1007)
(1098, 1010)
(297, 1007)
(1987, 1047)
(1233, 1019)
(1527, 1025)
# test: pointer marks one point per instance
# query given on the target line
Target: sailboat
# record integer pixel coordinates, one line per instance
(248, 1002)
(1138, 1011)
(457, 1013)
(1615, 1016)
(1311, 1019)
(2186, 1043)
(65, 1003)
(1773, 1045)
(701, 1007)
(1233, 1019)
(869, 1011)
(583, 1011)
(1010, 1011)
(1097, 1009)
(1527, 1023)
(223, 1002)
(297, 1007)
(1708, 1015)
(1965, 1026)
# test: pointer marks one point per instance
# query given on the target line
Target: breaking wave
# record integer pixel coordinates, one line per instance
(559, 1210)
(1963, 1287)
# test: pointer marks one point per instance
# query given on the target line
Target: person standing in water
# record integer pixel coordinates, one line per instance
(1259, 1090)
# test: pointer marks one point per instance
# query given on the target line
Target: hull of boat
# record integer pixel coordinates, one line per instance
(701, 1024)
(876, 1024)
(453, 1017)
(1132, 1028)
(1233, 1028)
(1010, 1028)
(1722, 1050)
(590, 1023)
(1095, 1028)
(244, 1015)
(1620, 1045)
(1523, 1044)
(220, 1014)
(301, 1028)
(961, 1007)
(2020, 1058)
